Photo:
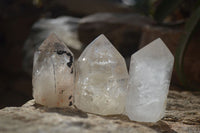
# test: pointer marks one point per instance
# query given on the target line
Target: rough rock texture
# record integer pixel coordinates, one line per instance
(101, 79)
(123, 30)
(182, 116)
(171, 38)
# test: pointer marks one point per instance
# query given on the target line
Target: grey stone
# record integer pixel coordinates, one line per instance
(182, 116)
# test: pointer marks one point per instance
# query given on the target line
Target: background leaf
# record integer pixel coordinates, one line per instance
(165, 8)
(184, 41)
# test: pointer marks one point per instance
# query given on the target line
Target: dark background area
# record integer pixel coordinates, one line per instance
(18, 16)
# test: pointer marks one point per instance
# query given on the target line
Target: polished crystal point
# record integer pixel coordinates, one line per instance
(150, 74)
(53, 76)
(101, 79)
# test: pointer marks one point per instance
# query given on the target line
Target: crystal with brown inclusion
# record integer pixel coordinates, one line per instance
(53, 76)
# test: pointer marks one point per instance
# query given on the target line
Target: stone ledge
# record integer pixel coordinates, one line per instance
(182, 116)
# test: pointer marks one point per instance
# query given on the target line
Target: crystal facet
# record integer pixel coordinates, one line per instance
(150, 74)
(53, 76)
(101, 79)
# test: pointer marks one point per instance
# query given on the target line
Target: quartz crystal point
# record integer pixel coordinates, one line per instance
(53, 77)
(150, 74)
(101, 79)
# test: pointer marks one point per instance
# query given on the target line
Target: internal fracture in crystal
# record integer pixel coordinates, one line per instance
(150, 75)
(101, 79)
(53, 76)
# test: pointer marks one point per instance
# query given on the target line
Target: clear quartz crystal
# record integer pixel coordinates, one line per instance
(53, 76)
(101, 79)
(150, 74)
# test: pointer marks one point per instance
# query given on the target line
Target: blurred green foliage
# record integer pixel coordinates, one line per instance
(164, 9)
(143, 6)
(190, 26)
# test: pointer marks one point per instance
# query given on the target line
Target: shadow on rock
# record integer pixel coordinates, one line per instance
(160, 127)
(70, 111)
(117, 117)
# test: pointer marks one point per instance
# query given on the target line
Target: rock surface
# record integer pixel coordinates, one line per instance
(182, 116)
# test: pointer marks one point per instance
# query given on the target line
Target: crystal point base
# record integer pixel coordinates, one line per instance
(150, 74)
(53, 76)
(101, 79)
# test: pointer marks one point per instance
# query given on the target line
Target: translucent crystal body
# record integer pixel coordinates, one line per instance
(53, 76)
(150, 74)
(101, 79)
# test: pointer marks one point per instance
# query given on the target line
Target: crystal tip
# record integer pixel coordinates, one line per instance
(52, 43)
